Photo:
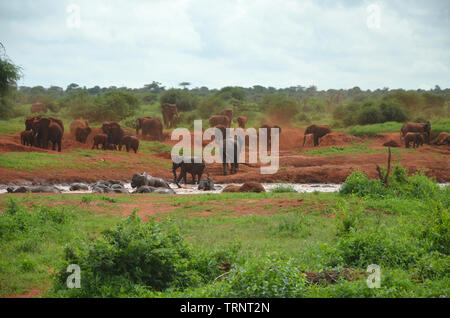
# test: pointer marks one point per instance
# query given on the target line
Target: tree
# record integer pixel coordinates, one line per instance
(9, 75)
(184, 84)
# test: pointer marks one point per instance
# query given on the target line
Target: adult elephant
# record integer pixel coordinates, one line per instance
(423, 128)
(45, 130)
(114, 132)
(242, 120)
(59, 122)
(29, 122)
(78, 123)
(139, 122)
(229, 150)
(170, 115)
(318, 131)
(81, 134)
(219, 120)
(229, 113)
(152, 127)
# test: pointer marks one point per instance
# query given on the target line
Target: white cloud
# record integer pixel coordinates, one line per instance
(237, 42)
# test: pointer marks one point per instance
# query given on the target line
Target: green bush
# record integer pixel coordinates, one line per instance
(359, 184)
(269, 276)
(135, 258)
(184, 99)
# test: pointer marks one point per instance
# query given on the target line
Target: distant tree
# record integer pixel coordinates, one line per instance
(154, 87)
(184, 99)
(184, 84)
(72, 87)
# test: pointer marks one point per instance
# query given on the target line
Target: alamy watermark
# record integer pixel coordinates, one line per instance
(73, 20)
(374, 16)
(374, 279)
(74, 279)
(229, 146)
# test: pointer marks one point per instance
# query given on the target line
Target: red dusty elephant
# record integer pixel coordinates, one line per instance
(139, 122)
(45, 130)
(318, 131)
(130, 142)
(216, 120)
(81, 134)
(78, 123)
(423, 128)
(170, 115)
(442, 139)
(152, 127)
(114, 132)
(229, 113)
(242, 120)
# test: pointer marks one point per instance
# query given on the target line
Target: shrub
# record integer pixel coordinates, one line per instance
(357, 183)
(269, 276)
(135, 258)
(184, 99)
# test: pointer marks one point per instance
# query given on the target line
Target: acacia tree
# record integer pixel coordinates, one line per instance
(9, 75)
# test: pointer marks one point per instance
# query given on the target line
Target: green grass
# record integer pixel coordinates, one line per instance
(305, 233)
(373, 130)
(153, 147)
(353, 149)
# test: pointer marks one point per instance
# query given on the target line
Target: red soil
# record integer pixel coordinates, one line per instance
(295, 166)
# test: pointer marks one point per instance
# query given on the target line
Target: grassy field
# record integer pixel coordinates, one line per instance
(267, 253)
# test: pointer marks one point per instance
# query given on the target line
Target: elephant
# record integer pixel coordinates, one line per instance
(229, 113)
(45, 130)
(79, 123)
(100, 139)
(318, 131)
(59, 122)
(144, 179)
(229, 151)
(152, 127)
(29, 122)
(423, 128)
(242, 120)
(38, 108)
(139, 122)
(415, 138)
(216, 120)
(188, 165)
(130, 142)
(269, 133)
(442, 139)
(114, 132)
(81, 134)
(26, 138)
(170, 115)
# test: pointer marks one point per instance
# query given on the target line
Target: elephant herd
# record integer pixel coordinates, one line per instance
(39, 132)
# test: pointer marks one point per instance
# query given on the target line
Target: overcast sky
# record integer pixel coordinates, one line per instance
(279, 43)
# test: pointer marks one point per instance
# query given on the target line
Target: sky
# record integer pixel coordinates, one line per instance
(217, 43)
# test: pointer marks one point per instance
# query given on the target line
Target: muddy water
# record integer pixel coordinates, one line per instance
(192, 189)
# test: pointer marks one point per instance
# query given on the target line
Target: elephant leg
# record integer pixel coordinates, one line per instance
(224, 168)
(53, 145)
(316, 140)
(193, 177)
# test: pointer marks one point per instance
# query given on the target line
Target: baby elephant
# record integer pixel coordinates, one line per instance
(129, 142)
(100, 139)
(26, 138)
(188, 165)
(415, 138)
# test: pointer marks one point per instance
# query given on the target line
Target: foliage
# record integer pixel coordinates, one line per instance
(136, 256)
(184, 100)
